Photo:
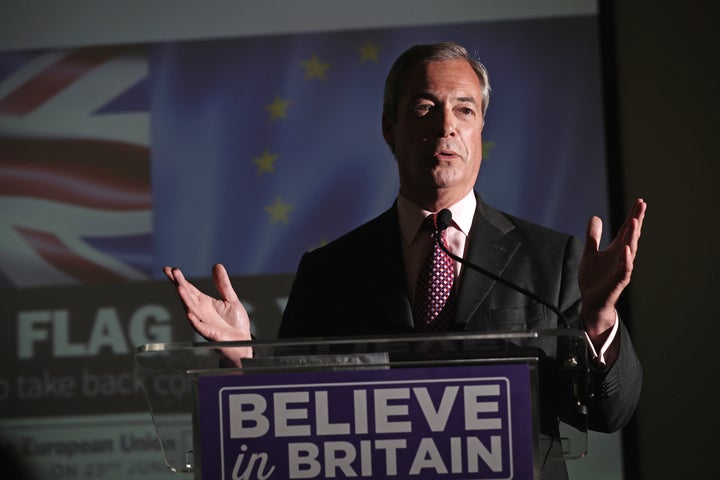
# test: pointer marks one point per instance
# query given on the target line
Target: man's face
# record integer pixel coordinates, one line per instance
(437, 133)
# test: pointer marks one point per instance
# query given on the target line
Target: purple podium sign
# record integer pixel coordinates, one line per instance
(469, 422)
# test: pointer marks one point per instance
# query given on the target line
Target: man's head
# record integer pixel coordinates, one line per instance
(433, 114)
(435, 52)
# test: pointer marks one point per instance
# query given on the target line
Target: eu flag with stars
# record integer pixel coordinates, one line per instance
(266, 147)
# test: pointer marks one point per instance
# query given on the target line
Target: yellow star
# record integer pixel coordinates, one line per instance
(486, 146)
(265, 162)
(369, 52)
(278, 109)
(314, 68)
(279, 211)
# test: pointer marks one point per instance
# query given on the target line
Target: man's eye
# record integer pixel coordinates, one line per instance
(467, 111)
(423, 107)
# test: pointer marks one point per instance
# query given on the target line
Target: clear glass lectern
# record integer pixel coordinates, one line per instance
(376, 407)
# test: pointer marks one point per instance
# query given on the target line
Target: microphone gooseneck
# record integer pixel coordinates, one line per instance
(571, 366)
(444, 219)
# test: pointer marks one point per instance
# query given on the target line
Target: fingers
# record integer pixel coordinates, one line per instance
(641, 208)
(223, 284)
(189, 294)
(632, 228)
(593, 235)
(168, 271)
(175, 275)
(187, 290)
(629, 233)
(629, 262)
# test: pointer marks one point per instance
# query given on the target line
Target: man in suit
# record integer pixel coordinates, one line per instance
(364, 282)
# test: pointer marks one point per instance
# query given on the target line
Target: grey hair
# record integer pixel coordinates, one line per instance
(423, 54)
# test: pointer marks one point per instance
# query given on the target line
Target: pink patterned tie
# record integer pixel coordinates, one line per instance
(434, 302)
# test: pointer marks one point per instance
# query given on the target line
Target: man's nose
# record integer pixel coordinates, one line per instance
(446, 123)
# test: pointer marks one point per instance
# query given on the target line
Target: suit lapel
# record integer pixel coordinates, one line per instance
(392, 286)
(490, 248)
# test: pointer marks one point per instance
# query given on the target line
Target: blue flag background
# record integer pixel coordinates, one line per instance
(264, 148)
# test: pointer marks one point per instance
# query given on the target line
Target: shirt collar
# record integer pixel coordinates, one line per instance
(411, 216)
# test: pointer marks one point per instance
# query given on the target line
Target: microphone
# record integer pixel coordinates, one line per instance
(571, 367)
(444, 219)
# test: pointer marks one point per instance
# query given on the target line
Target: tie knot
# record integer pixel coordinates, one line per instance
(430, 226)
(430, 223)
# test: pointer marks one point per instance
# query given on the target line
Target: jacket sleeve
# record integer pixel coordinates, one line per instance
(616, 391)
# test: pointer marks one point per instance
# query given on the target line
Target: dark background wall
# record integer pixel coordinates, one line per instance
(669, 104)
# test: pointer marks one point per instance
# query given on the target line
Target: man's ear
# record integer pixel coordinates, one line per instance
(388, 133)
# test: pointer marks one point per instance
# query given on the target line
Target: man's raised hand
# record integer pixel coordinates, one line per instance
(216, 319)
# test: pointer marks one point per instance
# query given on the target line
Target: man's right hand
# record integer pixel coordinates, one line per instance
(218, 320)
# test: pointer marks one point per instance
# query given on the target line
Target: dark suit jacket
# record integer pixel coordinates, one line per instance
(356, 286)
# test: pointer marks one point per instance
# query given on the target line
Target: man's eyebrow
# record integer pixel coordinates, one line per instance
(430, 96)
(425, 96)
(466, 99)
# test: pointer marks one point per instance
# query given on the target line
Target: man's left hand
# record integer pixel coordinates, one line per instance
(604, 274)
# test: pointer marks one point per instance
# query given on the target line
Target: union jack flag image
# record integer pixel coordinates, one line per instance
(75, 197)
